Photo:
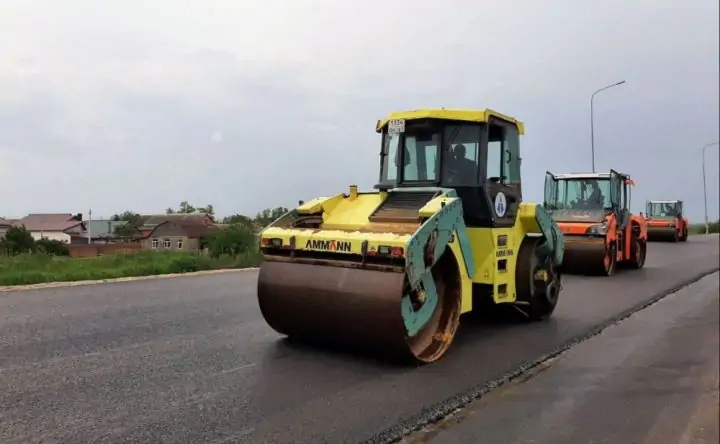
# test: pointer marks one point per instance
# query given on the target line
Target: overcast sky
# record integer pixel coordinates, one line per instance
(115, 105)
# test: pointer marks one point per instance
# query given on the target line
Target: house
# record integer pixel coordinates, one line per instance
(100, 232)
(175, 231)
(4, 225)
(50, 226)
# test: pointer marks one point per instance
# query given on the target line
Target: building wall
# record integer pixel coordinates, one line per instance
(188, 244)
(170, 237)
(53, 235)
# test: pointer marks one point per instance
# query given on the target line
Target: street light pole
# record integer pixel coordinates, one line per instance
(592, 121)
(707, 225)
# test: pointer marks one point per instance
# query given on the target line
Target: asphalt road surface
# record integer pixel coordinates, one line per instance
(651, 379)
(191, 360)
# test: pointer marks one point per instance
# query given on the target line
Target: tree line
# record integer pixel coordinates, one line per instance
(239, 237)
(261, 219)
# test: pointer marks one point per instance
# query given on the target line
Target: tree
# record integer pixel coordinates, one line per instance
(269, 215)
(186, 208)
(134, 220)
(238, 238)
(17, 240)
(129, 216)
(237, 219)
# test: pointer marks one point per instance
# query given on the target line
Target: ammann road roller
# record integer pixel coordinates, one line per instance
(592, 210)
(665, 220)
(444, 231)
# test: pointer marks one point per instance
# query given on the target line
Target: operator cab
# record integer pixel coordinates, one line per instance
(663, 209)
(580, 196)
(476, 153)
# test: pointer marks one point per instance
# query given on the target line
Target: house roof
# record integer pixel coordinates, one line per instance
(183, 219)
(47, 222)
(198, 230)
(7, 222)
(179, 229)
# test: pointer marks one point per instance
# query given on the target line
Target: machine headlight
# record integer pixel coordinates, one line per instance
(597, 230)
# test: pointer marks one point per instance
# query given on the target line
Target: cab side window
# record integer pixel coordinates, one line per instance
(495, 158)
(503, 157)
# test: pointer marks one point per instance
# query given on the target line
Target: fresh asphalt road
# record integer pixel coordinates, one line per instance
(190, 359)
(653, 378)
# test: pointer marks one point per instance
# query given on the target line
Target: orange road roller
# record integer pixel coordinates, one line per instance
(665, 221)
(592, 210)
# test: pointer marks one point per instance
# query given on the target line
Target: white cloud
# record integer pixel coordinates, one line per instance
(140, 93)
(217, 137)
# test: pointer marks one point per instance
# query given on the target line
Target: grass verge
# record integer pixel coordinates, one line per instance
(714, 227)
(27, 269)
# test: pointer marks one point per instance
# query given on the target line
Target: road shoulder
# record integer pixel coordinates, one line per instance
(651, 378)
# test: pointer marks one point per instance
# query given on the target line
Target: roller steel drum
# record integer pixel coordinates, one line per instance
(352, 307)
(662, 233)
(585, 256)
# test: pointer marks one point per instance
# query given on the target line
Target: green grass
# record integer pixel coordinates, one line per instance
(714, 227)
(40, 268)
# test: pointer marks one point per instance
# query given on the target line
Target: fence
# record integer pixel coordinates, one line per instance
(91, 250)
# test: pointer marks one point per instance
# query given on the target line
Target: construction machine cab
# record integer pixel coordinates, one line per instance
(607, 192)
(476, 153)
(664, 209)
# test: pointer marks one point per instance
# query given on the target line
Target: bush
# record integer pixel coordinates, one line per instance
(17, 240)
(53, 247)
(237, 239)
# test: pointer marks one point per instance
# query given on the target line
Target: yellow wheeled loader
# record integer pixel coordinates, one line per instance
(445, 231)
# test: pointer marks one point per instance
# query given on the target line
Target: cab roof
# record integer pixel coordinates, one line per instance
(480, 116)
(589, 175)
(582, 176)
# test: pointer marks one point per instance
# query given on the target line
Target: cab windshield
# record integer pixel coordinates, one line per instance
(662, 209)
(420, 158)
(580, 194)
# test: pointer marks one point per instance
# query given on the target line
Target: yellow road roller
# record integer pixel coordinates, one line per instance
(444, 231)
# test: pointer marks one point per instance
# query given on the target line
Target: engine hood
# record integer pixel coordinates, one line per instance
(589, 216)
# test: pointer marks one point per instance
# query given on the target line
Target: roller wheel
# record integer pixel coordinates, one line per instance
(638, 253)
(610, 260)
(435, 337)
(675, 237)
(684, 236)
(538, 295)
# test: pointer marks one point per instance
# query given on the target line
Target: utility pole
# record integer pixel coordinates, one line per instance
(707, 224)
(89, 230)
(592, 121)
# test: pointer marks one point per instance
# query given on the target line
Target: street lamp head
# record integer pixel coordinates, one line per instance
(620, 82)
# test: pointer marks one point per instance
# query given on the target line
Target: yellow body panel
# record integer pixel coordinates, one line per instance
(487, 255)
(346, 226)
(434, 206)
(450, 114)
(341, 239)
